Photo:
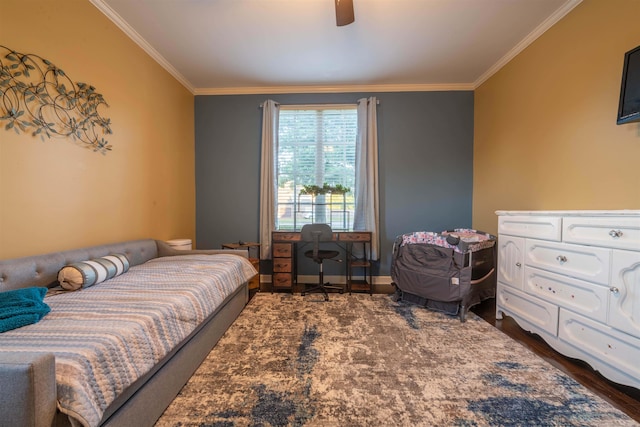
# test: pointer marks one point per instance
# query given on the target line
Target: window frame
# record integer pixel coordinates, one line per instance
(346, 213)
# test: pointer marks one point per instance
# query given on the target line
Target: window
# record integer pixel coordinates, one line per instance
(316, 158)
(282, 207)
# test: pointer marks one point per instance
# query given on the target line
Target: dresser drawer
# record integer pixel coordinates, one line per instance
(617, 352)
(355, 237)
(582, 262)
(539, 313)
(576, 295)
(283, 250)
(286, 237)
(282, 280)
(537, 227)
(282, 265)
(612, 232)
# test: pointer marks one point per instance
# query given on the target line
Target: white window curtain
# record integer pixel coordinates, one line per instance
(366, 216)
(270, 113)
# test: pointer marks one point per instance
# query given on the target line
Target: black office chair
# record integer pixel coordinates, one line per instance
(316, 233)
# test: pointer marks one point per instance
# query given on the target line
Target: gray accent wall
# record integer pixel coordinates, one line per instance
(425, 164)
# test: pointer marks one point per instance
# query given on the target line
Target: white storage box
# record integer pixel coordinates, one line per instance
(180, 244)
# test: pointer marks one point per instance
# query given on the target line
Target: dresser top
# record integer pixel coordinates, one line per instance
(622, 212)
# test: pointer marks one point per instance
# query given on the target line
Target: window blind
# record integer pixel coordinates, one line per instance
(316, 147)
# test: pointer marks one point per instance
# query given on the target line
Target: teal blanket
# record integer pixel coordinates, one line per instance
(22, 307)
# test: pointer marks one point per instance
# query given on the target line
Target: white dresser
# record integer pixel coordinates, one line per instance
(573, 277)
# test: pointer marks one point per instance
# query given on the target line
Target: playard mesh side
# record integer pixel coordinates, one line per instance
(448, 271)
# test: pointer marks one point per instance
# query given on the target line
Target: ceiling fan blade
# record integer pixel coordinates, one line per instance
(344, 12)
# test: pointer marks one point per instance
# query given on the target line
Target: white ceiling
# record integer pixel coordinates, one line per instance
(280, 46)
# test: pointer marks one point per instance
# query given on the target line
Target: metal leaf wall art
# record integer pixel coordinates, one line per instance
(38, 97)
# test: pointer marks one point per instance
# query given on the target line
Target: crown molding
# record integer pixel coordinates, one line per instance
(137, 38)
(537, 32)
(334, 89)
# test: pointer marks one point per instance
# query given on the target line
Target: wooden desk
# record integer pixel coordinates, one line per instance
(284, 249)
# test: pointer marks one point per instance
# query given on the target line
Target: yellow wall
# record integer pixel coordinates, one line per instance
(545, 131)
(56, 195)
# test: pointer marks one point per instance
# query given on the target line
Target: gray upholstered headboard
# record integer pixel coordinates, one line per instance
(42, 270)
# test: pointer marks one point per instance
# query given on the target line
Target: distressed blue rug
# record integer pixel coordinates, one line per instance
(361, 360)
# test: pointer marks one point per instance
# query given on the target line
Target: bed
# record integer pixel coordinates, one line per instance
(122, 349)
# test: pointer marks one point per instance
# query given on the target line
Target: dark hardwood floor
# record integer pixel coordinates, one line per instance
(627, 399)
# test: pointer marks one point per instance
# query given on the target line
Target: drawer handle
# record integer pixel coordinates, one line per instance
(615, 233)
(518, 264)
(614, 290)
(561, 259)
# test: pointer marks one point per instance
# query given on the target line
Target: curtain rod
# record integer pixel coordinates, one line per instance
(315, 105)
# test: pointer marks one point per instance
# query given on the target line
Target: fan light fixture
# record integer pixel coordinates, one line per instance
(344, 12)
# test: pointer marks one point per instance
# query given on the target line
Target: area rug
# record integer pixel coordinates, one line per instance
(361, 360)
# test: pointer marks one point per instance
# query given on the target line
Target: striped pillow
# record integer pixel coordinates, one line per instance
(91, 272)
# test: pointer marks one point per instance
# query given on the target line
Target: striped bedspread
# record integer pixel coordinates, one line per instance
(106, 336)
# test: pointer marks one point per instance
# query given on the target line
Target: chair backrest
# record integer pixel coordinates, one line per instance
(316, 232)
